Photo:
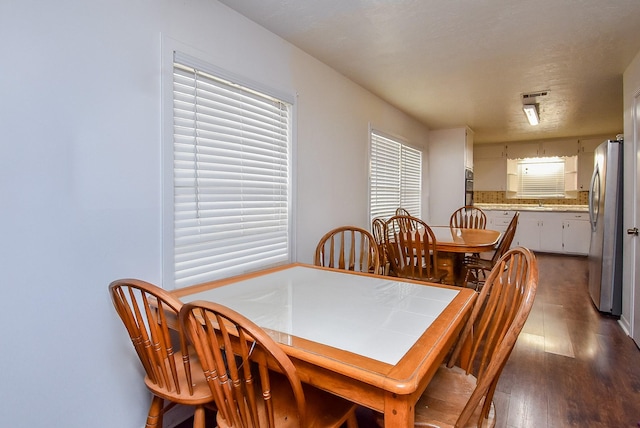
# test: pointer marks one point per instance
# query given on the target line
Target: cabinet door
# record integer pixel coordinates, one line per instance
(528, 233)
(499, 220)
(558, 148)
(585, 161)
(585, 170)
(522, 150)
(576, 236)
(489, 174)
(551, 233)
(590, 144)
(484, 151)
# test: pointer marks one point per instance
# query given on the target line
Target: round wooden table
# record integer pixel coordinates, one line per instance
(454, 242)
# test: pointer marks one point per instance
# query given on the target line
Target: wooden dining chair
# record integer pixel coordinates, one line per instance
(377, 230)
(349, 248)
(468, 217)
(461, 392)
(462, 395)
(172, 374)
(254, 382)
(411, 249)
(476, 268)
(402, 211)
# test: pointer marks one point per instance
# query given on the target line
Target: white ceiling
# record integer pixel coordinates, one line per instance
(451, 63)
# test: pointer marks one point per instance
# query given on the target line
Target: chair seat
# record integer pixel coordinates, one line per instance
(323, 409)
(201, 392)
(445, 397)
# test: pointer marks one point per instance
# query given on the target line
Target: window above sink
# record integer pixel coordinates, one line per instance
(542, 178)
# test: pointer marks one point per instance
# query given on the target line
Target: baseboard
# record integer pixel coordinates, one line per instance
(625, 325)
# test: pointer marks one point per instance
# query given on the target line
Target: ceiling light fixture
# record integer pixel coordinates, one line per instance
(531, 111)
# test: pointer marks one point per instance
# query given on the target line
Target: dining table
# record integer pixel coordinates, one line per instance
(452, 243)
(371, 339)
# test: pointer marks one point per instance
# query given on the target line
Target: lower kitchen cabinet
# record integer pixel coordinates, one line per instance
(499, 219)
(553, 232)
(544, 231)
(540, 232)
(576, 234)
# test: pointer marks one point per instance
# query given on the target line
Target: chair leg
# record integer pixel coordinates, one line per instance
(352, 422)
(470, 275)
(154, 418)
(199, 417)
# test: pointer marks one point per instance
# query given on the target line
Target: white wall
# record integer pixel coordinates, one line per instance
(80, 182)
(630, 299)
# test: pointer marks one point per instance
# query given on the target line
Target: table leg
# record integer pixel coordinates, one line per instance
(451, 263)
(398, 411)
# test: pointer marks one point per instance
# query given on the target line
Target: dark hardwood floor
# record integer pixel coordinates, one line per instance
(571, 367)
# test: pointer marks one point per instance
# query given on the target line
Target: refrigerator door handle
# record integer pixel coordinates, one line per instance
(593, 204)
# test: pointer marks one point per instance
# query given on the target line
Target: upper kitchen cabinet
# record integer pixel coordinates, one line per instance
(535, 149)
(522, 150)
(450, 154)
(558, 148)
(489, 151)
(489, 167)
(586, 149)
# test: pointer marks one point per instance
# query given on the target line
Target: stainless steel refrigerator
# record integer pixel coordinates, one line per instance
(605, 214)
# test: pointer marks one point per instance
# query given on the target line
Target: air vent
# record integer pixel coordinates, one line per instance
(533, 95)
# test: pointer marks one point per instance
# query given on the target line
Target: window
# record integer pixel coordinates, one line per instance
(231, 177)
(539, 178)
(396, 177)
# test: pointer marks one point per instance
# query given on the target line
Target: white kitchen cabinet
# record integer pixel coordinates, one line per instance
(553, 232)
(540, 231)
(585, 170)
(527, 233)
(489, 167)
(499, 220)
(490, 174)
(489, 151)
(534, 149)
(558, 148)
(447, 157)
(590, 144)
(522, 150)
(585, 161)
(576, 234)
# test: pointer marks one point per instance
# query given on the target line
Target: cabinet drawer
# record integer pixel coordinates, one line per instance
(577, 216)
(499, 220)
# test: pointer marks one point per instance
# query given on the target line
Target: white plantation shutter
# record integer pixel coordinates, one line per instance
(231, 178)
(396, 177)
(411, 180)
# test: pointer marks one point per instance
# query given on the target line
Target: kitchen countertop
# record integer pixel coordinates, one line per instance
(533, 207)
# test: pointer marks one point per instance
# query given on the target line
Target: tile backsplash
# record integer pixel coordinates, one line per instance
(491, 197)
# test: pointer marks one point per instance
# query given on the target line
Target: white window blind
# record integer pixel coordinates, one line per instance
(231, 177)
(396, 177)
(541, 178)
